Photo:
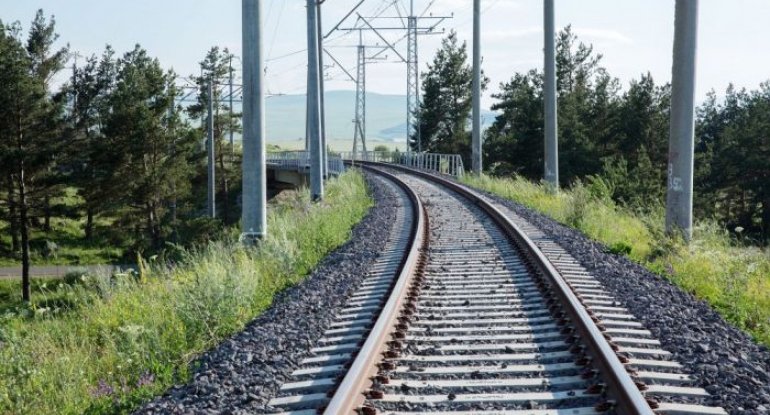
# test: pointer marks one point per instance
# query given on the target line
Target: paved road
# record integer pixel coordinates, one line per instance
(54, 271)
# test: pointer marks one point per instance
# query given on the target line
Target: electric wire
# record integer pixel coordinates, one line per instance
(275, 30)
(427, 8)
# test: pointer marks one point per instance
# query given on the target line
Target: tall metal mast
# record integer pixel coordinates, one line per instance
(360, 120)
(681, 141)
(413, 30)
(412, 80)
(314, 103)
(551, 158)
(476, 144)
(254, 214)
(321, 93)
(232, 141)
(211, 199)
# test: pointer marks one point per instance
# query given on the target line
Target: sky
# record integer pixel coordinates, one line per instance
(634, 36)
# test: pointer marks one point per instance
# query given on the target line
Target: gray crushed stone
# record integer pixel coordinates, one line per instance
(725, 360)
(241, 375)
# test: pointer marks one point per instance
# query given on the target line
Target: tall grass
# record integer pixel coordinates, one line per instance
(123, 340)
(732, 276)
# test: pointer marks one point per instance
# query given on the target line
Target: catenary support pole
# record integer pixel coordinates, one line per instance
(681, 147)
(313, 113)
(212, 191)
(476, 124)
(232, 140)
(254, 215)
(551, 159)
(412, 81)
(360, 120)
(321, 93)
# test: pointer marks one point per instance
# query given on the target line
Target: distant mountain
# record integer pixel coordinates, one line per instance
(385, 121)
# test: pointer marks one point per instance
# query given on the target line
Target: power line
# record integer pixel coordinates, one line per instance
(275, 30)
(427, 8)
(296, 52)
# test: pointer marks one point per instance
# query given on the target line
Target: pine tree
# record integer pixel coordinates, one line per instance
(150, 148)
(30, 126)
(514, 141)
(586, 102)
(90, 161)
(446, 101)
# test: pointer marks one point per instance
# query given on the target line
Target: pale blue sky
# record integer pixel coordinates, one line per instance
(635, 36)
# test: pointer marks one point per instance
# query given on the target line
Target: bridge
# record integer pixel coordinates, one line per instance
(292, 169)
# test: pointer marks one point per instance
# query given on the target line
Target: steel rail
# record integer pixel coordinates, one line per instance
(349, 395)
(620, 387)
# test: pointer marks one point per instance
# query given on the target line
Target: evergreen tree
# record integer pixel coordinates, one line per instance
(733, 141)
(601, 132)
(151, 152)
(586, 105)
(636, 160)
(30, 126)
(90, 160)
(446, 101)
(513, 144)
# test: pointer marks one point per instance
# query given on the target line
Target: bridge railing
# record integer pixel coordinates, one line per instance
(378, 156)
(300, 161)
(450, 164)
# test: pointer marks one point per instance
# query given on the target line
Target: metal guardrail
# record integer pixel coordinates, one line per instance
(449, 164)
(378, 156)
(300, 161)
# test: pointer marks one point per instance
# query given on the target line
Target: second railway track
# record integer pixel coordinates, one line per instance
(469, 315)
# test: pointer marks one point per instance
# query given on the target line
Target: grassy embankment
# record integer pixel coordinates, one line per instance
(733, 277)
(116, 342)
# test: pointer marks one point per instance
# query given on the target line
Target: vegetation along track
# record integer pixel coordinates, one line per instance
(464, 313)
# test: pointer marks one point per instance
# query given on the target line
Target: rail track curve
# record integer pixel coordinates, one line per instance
(467, 314)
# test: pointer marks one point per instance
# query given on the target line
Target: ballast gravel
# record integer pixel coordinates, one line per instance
(726, 361)
(244, 372)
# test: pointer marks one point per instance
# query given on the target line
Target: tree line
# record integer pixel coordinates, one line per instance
(118, 135)
(608, 134)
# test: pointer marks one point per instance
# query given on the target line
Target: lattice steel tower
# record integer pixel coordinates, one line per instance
(360, 120)
(412, 82)
(412, 68)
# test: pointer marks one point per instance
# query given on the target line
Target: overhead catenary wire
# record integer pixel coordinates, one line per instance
(427, 8)
(275, 30)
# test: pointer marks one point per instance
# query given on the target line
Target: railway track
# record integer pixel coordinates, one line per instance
(472, 310)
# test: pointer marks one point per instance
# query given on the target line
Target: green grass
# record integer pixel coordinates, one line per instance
(45, 293)
(733, 277)
(118, 341)
(69, 236)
